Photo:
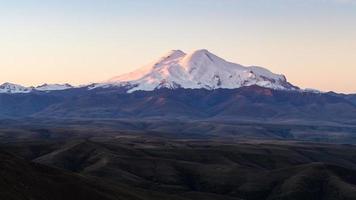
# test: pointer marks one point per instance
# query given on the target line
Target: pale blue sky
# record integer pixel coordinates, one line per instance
(312, 42)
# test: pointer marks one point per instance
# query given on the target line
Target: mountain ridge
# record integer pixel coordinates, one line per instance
(199, 69)
(245, 103)
(12, 88)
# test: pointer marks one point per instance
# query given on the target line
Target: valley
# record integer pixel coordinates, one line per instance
(156, 159)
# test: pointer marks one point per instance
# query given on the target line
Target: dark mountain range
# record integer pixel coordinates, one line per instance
(249, 103)
(351, 97)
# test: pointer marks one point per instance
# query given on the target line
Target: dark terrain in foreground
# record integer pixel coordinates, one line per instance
(175, 160)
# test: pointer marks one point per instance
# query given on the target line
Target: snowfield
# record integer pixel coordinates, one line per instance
(11, 88)
(199, 69)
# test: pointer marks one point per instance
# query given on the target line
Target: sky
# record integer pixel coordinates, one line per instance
(312, 42)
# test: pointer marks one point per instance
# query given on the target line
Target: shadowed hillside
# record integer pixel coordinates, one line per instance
(242, 104)
(156, 167)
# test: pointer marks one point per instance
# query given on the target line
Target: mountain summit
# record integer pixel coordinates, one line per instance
(199, 69)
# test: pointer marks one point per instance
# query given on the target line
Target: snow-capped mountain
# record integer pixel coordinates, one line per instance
(10, 88)
(53, 87)
(14, 88)
(199, 69)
